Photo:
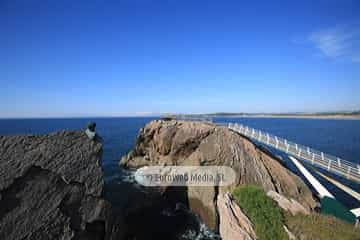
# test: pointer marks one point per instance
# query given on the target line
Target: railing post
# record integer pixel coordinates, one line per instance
(349, 170)
(313, 158)
(259, 135)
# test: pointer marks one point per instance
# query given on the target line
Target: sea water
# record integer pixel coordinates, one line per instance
(337, 137)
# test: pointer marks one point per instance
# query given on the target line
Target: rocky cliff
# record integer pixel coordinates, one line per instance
(51, 187)
(196, 143)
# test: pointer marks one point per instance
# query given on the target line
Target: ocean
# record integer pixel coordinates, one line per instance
(337, 137)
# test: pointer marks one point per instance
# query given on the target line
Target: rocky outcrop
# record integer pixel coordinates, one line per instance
(197, 143)
(234, 224)
(51, 187)
(289, 205)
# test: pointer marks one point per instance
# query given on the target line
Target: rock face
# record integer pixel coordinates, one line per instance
(234, 225)
(197, 143)
(290, 205)
(51, 187)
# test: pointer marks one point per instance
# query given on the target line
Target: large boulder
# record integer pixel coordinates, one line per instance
(51, 187)
(198, 143)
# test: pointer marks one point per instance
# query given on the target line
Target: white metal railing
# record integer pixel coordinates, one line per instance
(328, 162)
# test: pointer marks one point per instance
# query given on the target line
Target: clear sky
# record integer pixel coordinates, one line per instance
(136, 57)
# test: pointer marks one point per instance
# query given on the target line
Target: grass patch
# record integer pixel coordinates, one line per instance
(321, 227)
(262, 211)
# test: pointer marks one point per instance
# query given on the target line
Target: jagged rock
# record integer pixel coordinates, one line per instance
(51, 187)
(290, 205)
(69, 153)
(198, 143)
(234, 224)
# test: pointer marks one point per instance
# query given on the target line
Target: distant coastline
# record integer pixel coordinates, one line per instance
(354, 115)
(305, 116)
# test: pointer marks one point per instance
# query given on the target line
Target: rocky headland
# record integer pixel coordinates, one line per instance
(51, 187)
(182, 143)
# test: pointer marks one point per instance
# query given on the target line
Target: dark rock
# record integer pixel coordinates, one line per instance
(51, 187)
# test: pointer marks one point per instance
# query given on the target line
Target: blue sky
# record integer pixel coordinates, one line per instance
(139, 57)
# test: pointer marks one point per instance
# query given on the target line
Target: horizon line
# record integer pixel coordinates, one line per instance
(167, 113)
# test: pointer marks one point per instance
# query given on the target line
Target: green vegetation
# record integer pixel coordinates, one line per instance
(269, 219)
(262, 211)
(321, 227)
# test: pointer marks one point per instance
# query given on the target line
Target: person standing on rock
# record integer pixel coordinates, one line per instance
(90, 131)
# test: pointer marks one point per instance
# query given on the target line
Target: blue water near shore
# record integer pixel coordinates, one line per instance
(337, 137)
(119, 134)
